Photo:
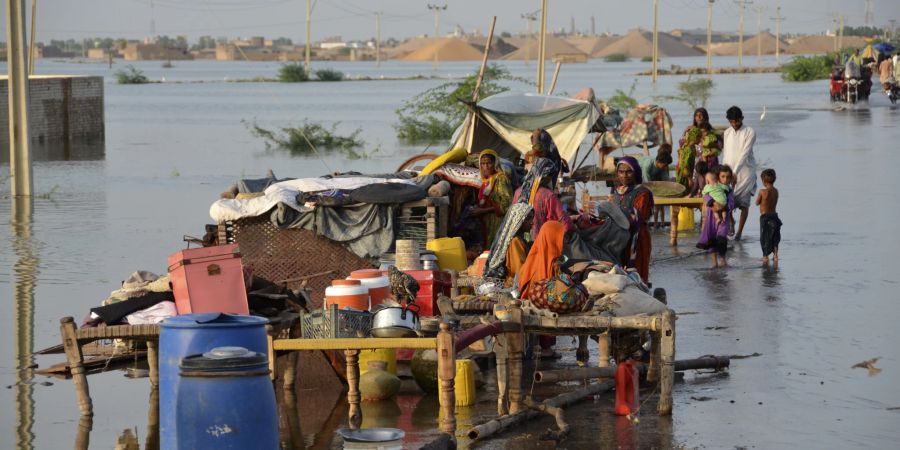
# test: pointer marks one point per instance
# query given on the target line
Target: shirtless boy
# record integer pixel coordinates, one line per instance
(769, 223)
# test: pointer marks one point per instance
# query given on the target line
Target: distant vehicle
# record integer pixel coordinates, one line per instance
(892, 90)
(850, 87)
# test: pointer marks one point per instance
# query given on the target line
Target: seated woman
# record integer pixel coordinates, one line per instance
(636, 202)
(542, 146)
(536, 191)
(493, 197)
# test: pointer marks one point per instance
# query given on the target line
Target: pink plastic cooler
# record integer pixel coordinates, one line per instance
(209, 279)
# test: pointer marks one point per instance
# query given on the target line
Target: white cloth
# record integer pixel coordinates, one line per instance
(737, 153)
(223, 210)
(152, 315)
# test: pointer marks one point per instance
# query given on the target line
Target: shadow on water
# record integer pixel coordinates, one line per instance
(128, 438)
(74, 150)
(25, 270)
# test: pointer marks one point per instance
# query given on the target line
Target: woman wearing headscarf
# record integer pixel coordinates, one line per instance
(536, 191)
(494, 195)
(542, 146)
(636, 202)
(540, 263)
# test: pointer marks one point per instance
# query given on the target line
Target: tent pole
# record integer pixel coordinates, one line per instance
(487, 49)
(553, 80)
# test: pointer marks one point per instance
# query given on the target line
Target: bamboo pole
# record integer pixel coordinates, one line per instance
(667, 358)
(581, 373)
(446, 377)
(553, 81)
(353, 395)
(516, 346)
(653, 369)
(484, 60)
(542, 49)
(587, 323)
(557, 414)
(491, 427)
(603, 349)
(501, 355)
(76, 359)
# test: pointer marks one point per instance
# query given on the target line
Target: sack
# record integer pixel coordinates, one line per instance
(633, 301)
(599, 283)
(559, 294)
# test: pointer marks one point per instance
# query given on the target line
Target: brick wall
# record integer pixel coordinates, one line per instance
(60, 108)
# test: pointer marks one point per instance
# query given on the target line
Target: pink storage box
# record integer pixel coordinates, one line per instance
(209, 279)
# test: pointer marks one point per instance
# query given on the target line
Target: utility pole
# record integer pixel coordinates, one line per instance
(16, 67)
(437, 28)
(834, 20)
(709, 37)
(655, 53)
(870, 13)
(542, 48)
(841, 33)
(31, 40)
(778, 20)
(892, 22)
(742, 4)
(529, 18)
(307, 58)
(571, 25)
(152, 22)
(593, 27)
(378, 38)
(759, 10)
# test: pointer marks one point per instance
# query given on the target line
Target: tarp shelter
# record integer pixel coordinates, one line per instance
(504, 122)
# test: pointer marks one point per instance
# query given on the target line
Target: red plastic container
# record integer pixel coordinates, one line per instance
(209, 279)
(626, 388)
(432, 283)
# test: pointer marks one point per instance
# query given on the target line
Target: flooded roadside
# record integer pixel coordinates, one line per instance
(171, 149)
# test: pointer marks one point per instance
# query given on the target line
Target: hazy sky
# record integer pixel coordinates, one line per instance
(354, 19)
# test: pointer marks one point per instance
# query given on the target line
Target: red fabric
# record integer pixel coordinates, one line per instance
(539, 264)
(643, 204)
(547, 207)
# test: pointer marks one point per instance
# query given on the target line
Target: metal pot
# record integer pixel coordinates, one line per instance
(396, 316)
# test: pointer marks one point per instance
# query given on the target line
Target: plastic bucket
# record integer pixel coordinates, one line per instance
(347, 294)
(379, 286)
(190, 334)
(225, 400)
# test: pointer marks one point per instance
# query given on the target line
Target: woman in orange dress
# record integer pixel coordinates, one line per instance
(636, 202)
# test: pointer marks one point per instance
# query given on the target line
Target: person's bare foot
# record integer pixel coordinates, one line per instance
(765, 260)
(724, 263)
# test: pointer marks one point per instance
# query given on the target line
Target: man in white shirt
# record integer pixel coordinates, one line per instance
(737, 153)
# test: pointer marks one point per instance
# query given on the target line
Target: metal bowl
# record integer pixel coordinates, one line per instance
(393, 332)
(371, 434)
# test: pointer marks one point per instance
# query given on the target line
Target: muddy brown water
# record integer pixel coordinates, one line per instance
(108, 209)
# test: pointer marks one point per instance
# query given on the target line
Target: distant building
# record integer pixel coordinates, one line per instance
(142, 52)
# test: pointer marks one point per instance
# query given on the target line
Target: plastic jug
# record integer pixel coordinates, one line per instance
(626, 389)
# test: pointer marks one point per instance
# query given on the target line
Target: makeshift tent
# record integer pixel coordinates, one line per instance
(504, 122)
(645, 123)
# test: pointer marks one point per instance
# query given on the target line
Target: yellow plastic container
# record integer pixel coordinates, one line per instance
(686, 219)
(465, 382)
(387, 355)
(450, 252)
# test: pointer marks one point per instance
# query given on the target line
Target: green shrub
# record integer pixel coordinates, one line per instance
(622, 101)
(293, 72)
(807, 68)
(131, 75)
(694, 92)
(307, 138)
(329, 75)
(434, 114)
(616, 57)
(648, 59)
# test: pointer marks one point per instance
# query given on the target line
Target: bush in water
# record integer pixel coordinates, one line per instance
(807, 68)
(329, 75)
(616, 57)
(131, 75)
(292, 73)
(308, 137)
(694, 92)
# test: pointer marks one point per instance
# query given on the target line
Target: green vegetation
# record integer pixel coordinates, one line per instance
(308, 138)
(648, 59)
(616, 57)
(434, 114)
(807, 68)
(622, 101)
(167, 65)
(694, 92)
(131, 75)
(292, 72)
(329, 75)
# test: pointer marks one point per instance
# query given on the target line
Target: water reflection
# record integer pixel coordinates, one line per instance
(25, 271)
(68, 150)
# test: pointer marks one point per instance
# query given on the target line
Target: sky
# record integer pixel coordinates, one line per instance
(354, 19)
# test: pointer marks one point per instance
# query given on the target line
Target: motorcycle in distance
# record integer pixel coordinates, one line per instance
(892, 90)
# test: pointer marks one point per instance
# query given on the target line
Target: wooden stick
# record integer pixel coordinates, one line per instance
(491, 427)
(557, 414)
(484, 60)
(501, 355)
(653, 370)
(290, 372)
(270, 353)
(446, 378)
(153, 362)
(667, 358)
(83, 435)
(543, 323)
(581, 373)
(73, 354)
(353, 395)
(603, 349)
(305, 277)
(673, 230)
(152, 439)
(553, 80)
(516, 348)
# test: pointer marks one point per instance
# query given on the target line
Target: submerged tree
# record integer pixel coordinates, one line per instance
(434, 114)
(308, 137)
(693, 92)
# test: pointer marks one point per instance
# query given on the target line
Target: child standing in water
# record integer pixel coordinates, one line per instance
(718, 193)
(769, 223)
(714, 233)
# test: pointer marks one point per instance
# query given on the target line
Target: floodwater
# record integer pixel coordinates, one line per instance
(106, 210)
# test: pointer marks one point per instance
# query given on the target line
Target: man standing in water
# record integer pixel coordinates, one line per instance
(738, 154)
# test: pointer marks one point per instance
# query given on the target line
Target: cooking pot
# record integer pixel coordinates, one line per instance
(396, 316)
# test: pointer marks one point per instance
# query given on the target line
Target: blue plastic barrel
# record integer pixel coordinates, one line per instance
(190, 334)
(226, 401)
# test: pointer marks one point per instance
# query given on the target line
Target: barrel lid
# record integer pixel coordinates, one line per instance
(224, 358)
(346, 283)
(212, 319)
(365, 273)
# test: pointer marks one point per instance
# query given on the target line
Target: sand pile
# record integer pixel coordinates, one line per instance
(406, 47)
(555, 46)
(807, 45)
(449, 49)
(592, 45)
(639, 44)
(766, 41)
